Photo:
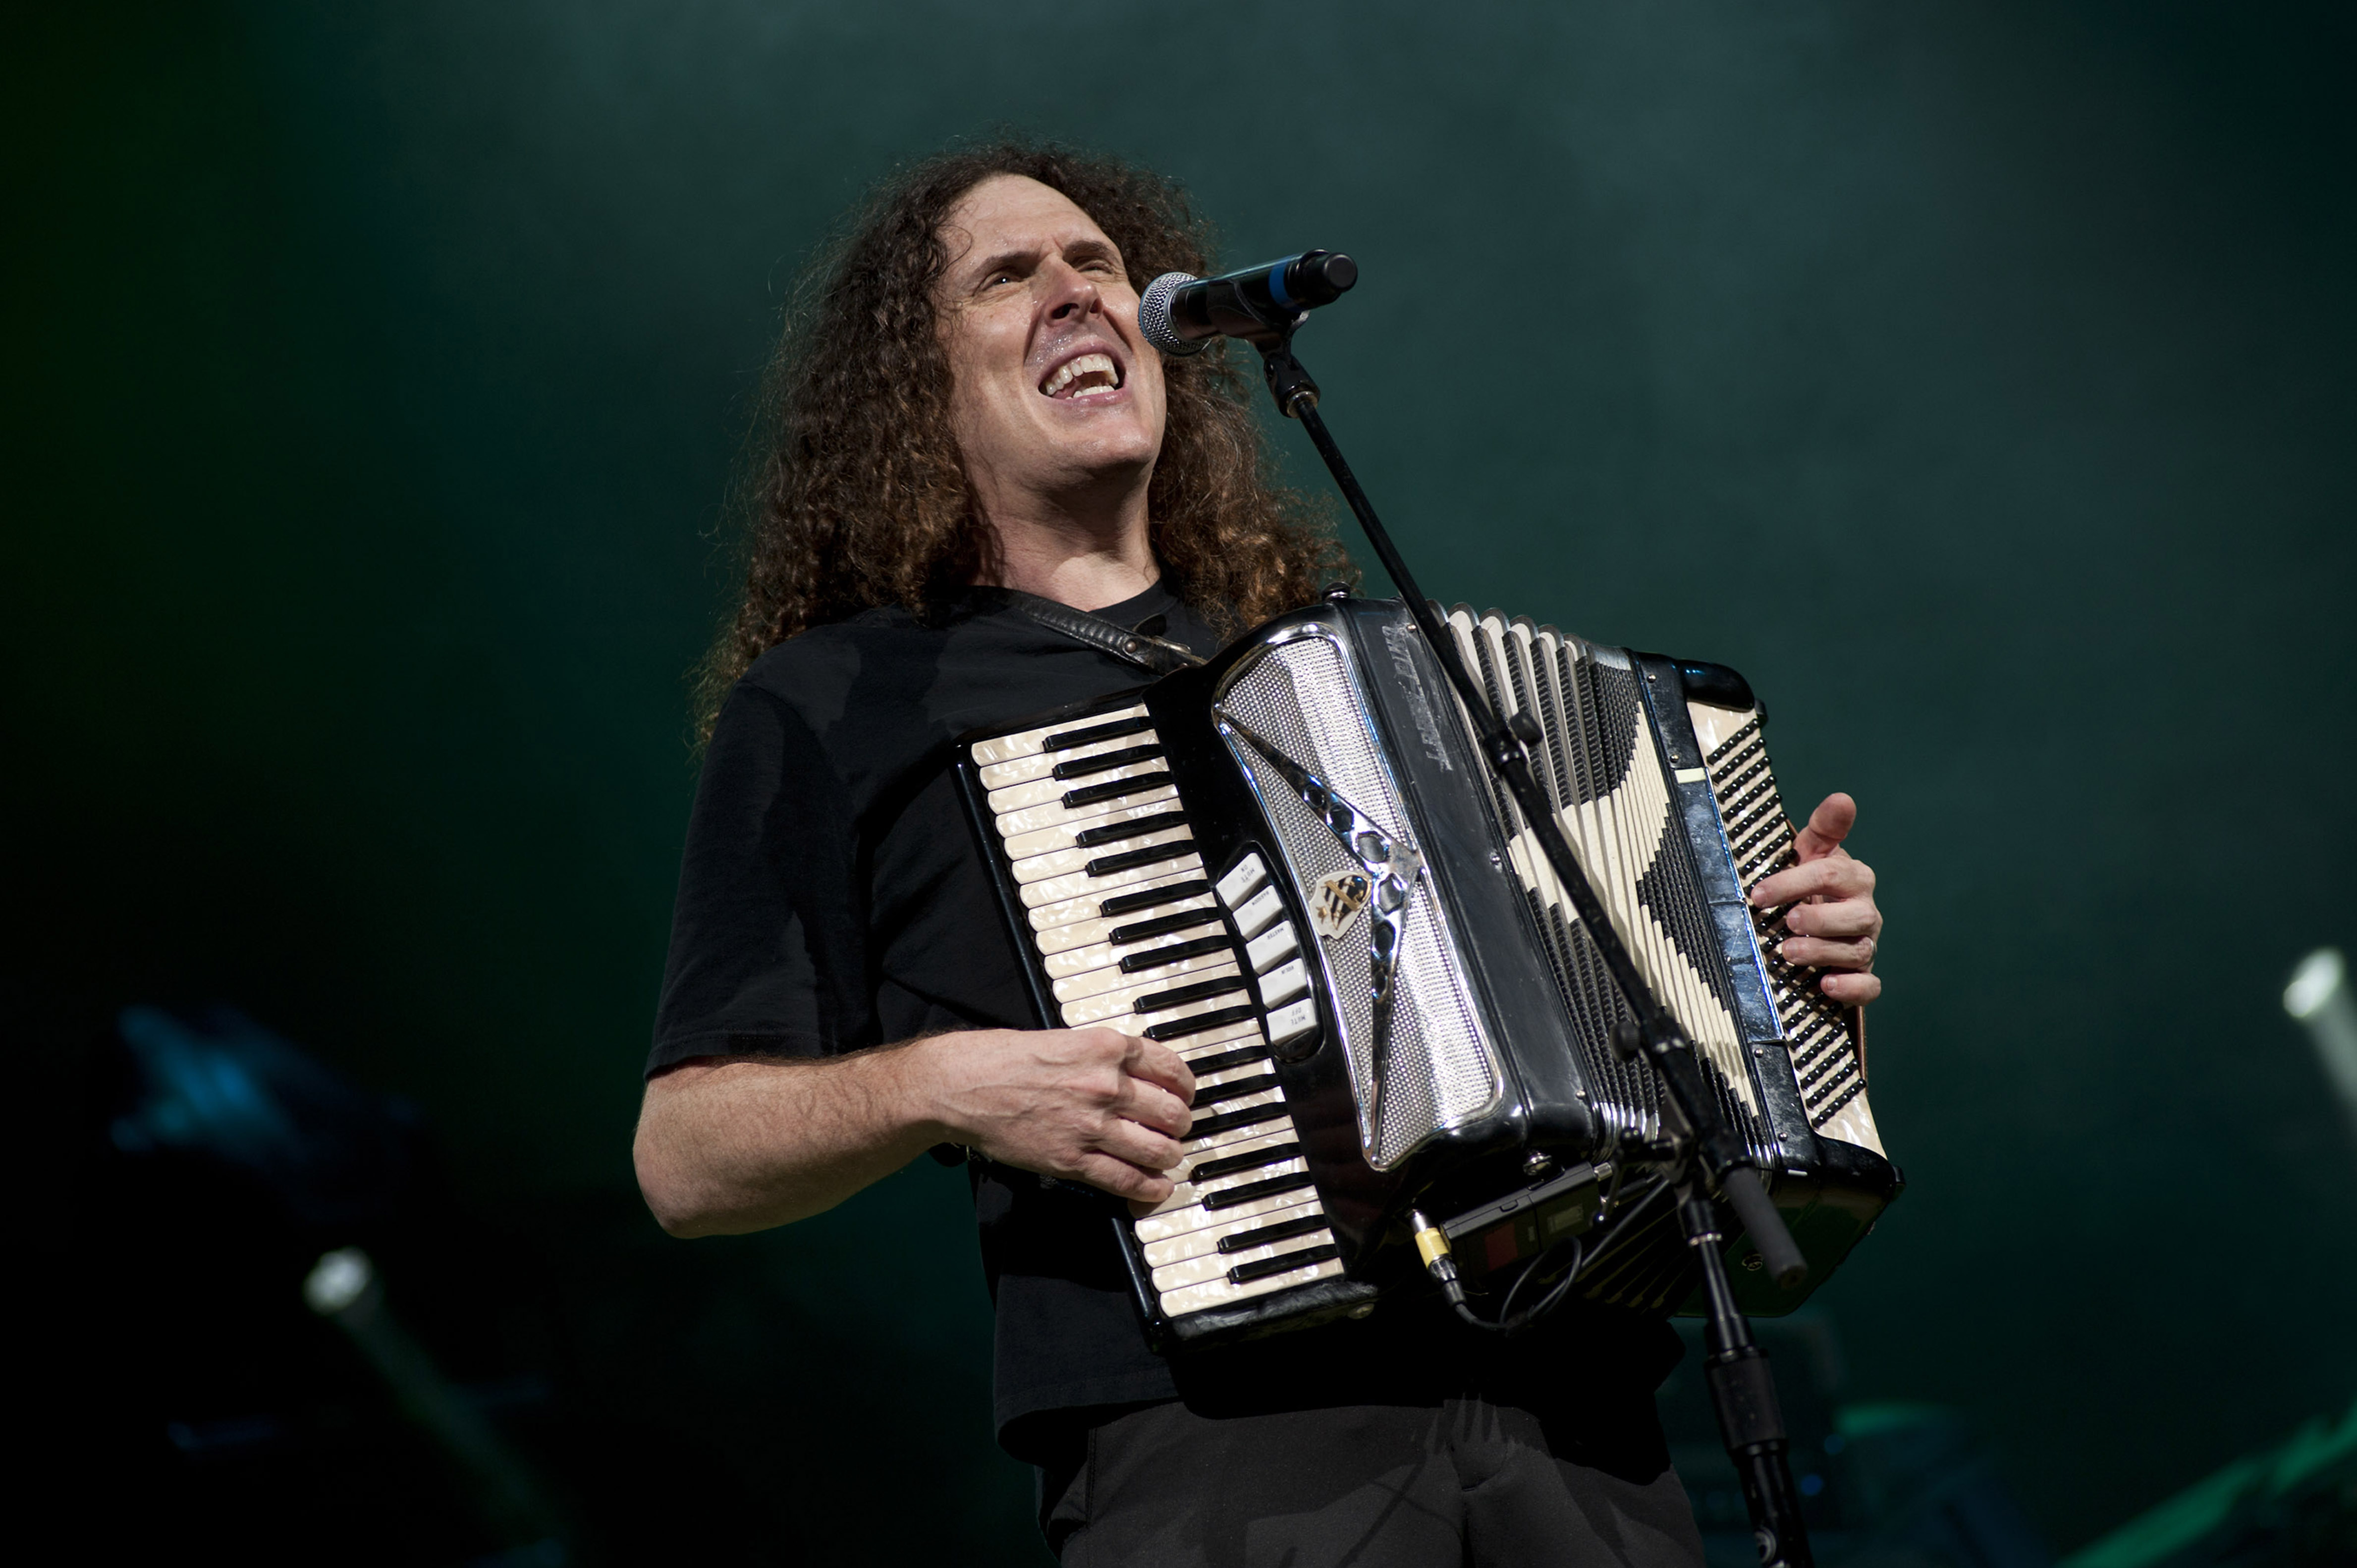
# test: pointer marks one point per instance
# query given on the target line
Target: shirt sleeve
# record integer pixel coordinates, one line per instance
(769, 935)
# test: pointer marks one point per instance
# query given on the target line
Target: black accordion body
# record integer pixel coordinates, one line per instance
(1290, 865)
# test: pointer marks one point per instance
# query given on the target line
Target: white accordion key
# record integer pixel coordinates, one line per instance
(1099, 828)
(1052, 791)
(1120, 1010)
(1043, 765)
(1222, 1291)
(1164, 1222)
(1189, 959)
(1055, 813)
(1084, 883)
(1189, 1192)
(1123, 735)
(1231, 1138)
(1032, 742)
(1062, 862)
(1207, 1266)
(1206, 1242)
(1095, 930)
(1053, 914)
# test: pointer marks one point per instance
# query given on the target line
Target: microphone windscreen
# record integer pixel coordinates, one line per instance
(1154, 322)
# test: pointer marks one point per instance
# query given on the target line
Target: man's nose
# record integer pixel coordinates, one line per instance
(1070, 293)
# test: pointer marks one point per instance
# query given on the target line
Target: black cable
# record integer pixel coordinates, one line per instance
(1539, 1309)
(1508, 1321)
(1660, 1186)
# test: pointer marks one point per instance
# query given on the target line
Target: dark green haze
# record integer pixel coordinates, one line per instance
(1976, 379)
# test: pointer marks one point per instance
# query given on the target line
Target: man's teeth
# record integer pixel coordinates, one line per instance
(1086, 373)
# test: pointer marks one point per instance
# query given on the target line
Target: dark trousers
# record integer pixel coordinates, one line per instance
(1458, 1481)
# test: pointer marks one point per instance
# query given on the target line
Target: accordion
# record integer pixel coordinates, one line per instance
(1291, 866)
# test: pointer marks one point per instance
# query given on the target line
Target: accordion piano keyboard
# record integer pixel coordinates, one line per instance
(1129, 928)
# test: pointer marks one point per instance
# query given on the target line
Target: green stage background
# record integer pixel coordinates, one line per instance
(1976, 378)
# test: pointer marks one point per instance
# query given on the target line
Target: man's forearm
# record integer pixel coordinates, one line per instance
(727, 1147)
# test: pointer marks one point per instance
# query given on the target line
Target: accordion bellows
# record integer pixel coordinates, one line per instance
(1290, 867)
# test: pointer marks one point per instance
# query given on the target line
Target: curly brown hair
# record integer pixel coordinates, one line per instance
(853, 494)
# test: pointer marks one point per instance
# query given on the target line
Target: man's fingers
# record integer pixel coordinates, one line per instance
(1122, 1179)
(1827, 955)
(1843, 918)
(1151, 1105)
(1829, 876)
(1828, 825)
(1852, 990)
(1142, 1146)
(1160, 1064)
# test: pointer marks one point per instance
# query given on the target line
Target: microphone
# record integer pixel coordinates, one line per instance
(1179, 312)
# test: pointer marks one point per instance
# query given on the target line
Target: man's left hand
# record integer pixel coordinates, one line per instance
(1832, 921)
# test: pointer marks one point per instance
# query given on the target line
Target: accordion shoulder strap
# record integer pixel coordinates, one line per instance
(1155, 653)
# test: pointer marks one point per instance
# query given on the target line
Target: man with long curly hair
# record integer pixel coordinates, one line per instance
(962, 429)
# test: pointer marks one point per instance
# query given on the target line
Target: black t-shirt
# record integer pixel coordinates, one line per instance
(832, 898)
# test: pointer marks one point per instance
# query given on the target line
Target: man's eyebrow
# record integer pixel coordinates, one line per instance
(1019, 257)
(1028, 256)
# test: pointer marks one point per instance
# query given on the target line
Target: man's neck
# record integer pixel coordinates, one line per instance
(1086, 562)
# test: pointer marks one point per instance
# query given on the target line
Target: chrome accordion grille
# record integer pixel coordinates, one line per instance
(1301, 698)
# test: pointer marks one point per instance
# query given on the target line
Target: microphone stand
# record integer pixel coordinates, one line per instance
(1711, 1159)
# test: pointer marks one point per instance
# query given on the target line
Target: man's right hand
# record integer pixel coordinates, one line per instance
(731, 1144)
(1092, 1105)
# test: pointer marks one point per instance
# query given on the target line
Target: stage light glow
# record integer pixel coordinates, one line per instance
(2318, 997)
(2320, 974)
(337, 1279)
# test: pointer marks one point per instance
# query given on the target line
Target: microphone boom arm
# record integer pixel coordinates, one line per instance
(1713, 1157)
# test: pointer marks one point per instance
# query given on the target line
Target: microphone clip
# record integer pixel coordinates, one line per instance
(1288, 382)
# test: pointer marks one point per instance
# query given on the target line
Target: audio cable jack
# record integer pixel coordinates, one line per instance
(1432, 1246)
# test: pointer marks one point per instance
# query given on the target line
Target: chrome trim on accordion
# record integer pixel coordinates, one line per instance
(1420, 1059)
(1291, 867)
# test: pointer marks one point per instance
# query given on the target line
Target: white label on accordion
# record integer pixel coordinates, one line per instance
(1292, 1021)
(1258, 911)
(1277, 942)
(1242, 878)
(1283, 984)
